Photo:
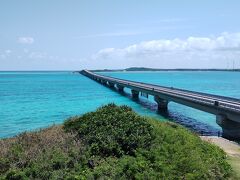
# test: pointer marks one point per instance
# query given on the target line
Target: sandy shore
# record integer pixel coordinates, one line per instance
(231, 148)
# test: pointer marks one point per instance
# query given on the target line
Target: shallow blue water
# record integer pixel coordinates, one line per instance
(32, 100)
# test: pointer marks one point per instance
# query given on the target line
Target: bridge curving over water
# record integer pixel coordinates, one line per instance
(226, 109)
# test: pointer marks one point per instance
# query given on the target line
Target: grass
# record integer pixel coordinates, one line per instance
(235, 163)
(112, 143)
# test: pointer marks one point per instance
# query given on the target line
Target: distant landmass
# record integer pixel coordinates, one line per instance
(157, 69)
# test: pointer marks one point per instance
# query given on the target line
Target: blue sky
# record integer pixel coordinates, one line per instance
(77, 34)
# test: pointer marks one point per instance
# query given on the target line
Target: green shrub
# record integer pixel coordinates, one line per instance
(16, 175)
(112, 130)
(4, 165)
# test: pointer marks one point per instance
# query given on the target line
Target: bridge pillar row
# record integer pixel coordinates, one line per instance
(162, 103)
(135, 94)
(103, 82)
(120, 88)
(230, 129)
(111, 85)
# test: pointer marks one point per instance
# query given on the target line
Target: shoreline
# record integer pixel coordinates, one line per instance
(231, 148)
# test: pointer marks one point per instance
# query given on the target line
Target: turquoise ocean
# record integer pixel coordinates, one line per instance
(33, 100)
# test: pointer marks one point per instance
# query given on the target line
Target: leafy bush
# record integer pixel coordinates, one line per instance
(112, 143)
(16, 175)
(112, 130)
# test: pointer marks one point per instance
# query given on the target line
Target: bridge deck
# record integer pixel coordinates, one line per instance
(226, 109)
(216, 104)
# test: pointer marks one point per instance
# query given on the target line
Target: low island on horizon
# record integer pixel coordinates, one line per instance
(160, 69)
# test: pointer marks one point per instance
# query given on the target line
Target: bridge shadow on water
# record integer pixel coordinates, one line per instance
(191, 123)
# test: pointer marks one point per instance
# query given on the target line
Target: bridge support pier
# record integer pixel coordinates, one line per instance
(135, 94)
(120, 88)
(162, 103)
(231, 129)
(104, 82)
(111, 85)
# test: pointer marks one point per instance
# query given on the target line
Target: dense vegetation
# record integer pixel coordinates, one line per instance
(112, 142)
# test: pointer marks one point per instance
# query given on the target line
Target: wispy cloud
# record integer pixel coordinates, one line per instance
(110, 34)
(38, 55)
(142, 31)
(5, 54)
(26, 40)
(133, 29)
(164, 21)
(8, 51)
(169, 20)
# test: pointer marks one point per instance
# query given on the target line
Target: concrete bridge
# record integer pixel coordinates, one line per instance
(226, 109)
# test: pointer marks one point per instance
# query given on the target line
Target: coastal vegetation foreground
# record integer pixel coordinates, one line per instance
(112, 142)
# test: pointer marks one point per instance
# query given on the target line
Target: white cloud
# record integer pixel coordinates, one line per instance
(173, 53)
(26, 40)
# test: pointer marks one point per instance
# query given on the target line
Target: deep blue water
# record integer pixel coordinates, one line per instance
(33, 100)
